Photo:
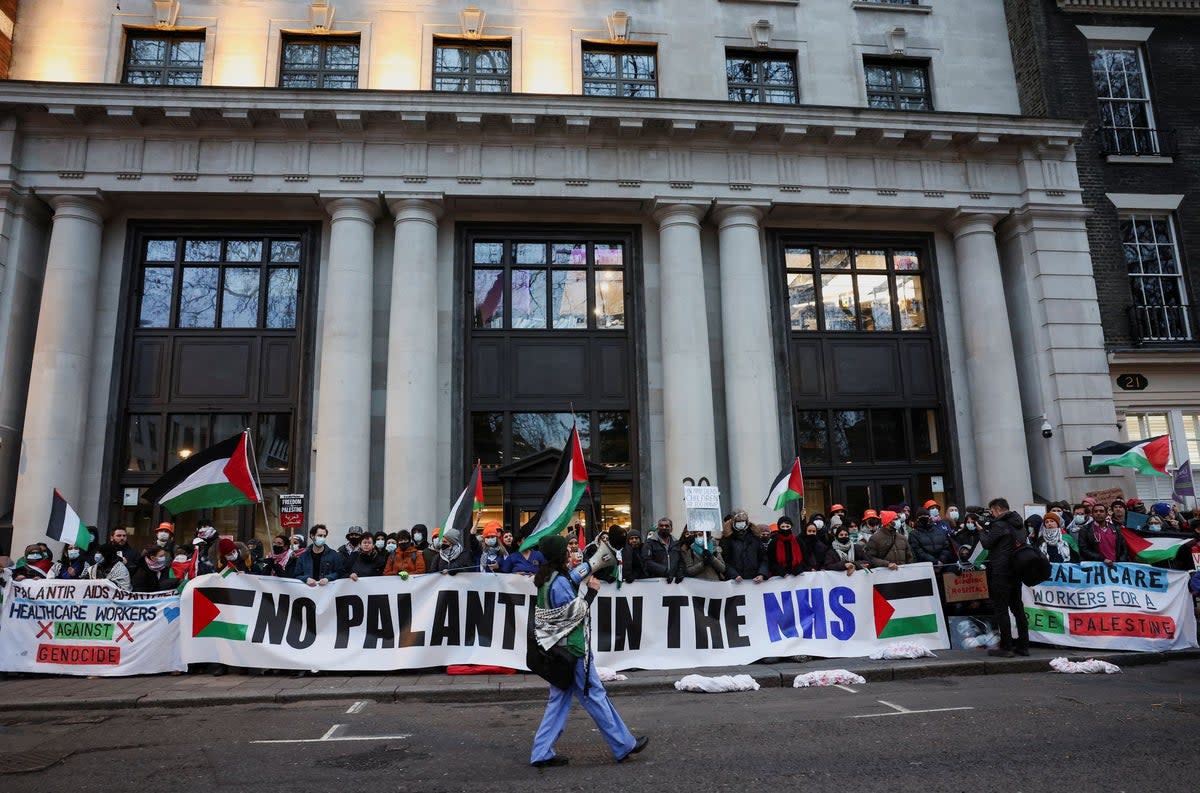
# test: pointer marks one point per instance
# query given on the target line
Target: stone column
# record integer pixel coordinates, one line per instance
(999, 430)
(687, 379)
(342, 443)
(56, 409)
(751, 410)
(411, 426)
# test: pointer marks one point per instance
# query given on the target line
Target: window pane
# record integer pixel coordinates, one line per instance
(176, 77)
(198, 298)
(143, 443)
(340, 82)
(147, 52)
(617, 507)
(925, 435)
(739, 70)
(875, 302)
(531, 253)
(610, 299)
(570, 299)
(450, 59)
(342, 56)
(274, 442)
(282, 285)
(887, 429)
(533, 432)
(243, 251)
(226, 425)
(188, 435)
(489, 298)
(487, 434)
(870, 260)
(640, 90)
(139, 77)
(636, 66)
(202, 250)
(528, 298)
(812, 436)
(160, 250)
(906, 260)
(802, 301)
(571, 253)
(837, 298)
(851, 436)
(610, 254)
(614, 440)
(835, 259)
(301, 56)
(599, 65)
(798, 258)
(185, 52)
(298, 80)
(779, 73)
(239, 308)
(285, 251)
(911, 302)
(451, 84)
(489, 252)
(157, 287)
(493, 61)
(599, 89)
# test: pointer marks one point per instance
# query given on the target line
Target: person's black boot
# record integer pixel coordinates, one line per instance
(550, 762)
(641, 744)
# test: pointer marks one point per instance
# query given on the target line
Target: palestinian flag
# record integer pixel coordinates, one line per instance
(1147, 457)
(788, 486)
(219, 476)
(979, 555)
(65, 525)
(1148, 548)
(470, 501)
(905, 608)
(567, 487)
(206, 607)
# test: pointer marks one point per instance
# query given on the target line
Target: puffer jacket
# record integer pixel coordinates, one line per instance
(888, 546)
(660, 558)
(745, 555)
(931, 545)
(1001, 538)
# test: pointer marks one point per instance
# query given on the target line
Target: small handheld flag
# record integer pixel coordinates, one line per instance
(468, 503)
(65, 525)
(566, 488)
(787, 487)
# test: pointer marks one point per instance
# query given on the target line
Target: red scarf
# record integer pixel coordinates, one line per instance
(788, 553)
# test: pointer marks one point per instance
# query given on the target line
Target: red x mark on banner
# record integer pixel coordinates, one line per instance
(124, 632)
(44, 630)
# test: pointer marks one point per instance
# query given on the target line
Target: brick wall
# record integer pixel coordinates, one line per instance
(1055, 80)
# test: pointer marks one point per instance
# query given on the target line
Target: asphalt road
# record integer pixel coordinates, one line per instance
(1136, 731)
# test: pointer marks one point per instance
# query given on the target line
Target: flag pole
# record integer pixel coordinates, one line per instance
(258, 477)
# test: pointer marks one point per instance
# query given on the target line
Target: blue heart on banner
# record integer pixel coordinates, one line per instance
(172, 613)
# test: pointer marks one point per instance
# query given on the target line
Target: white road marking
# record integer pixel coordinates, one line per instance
(844, 688)
(357, 707)
(899, 710)
(328, 737)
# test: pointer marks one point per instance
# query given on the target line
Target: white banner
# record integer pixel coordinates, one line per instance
(437, 620)
(86, 627)
(1123, 607)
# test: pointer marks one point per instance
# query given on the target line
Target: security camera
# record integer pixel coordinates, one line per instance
(1047, 430)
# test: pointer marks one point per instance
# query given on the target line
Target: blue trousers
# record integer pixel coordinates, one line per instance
(595, 701)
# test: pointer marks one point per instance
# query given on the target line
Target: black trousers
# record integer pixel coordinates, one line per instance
(1006, 595)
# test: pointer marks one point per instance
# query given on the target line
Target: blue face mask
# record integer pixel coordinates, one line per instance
(391, 546)
(319, 542)
(379, 543)
(73, 553)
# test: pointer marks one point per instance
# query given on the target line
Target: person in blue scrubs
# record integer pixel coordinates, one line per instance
(557, 586)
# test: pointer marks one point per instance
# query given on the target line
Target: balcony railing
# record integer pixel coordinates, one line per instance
(1137, 141)
(1159, 324)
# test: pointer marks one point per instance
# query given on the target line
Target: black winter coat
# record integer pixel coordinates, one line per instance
(1089, 546)
(744, 556)
(143, 579)
(931, 545)
(365, 565)
(661, 559)
(633, 565)
(1001, 538)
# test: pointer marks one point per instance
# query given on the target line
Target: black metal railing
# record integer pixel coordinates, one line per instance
(1137, 141)
(1160, 324)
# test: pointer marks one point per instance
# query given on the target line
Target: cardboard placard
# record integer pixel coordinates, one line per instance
(1106, 496)
(961, 587)
(703, 507)
(291, 511)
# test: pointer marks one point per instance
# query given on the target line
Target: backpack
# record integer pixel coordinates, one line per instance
(1030, 566)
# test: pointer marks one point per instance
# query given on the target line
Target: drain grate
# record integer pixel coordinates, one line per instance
(28, 762)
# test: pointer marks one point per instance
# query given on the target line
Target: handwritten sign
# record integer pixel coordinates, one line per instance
(961, 587)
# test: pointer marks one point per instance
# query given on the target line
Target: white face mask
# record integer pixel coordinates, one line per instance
(820, 524)
(232, 557)
(835, 521)
(379, 543)
(164, 536)
(418, 537)
(1078, 520)
(179, 557)
(952, 514)
(740, 525)
(73, 554)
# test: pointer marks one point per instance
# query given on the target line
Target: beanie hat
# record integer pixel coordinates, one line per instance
(1034, 521)
(452, 535)
(616, 537)
(1162, 509)
(784, 519)
(554, 548)
(225, 546)
(1088, 501)
(1051, 518)
(491, 529)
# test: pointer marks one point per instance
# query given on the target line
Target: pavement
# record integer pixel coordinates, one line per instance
(193, 690)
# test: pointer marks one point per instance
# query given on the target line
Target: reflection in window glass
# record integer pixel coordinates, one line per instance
(202, 250)
(282, 285)
(243, 251)
(198, 298)
(489, 298)
(925, 435)
(835, 259)
(188, 434)
(812, 436)
(285, 251)
(157, 287)
(870, 260)
(226, 425)
(528, 298)
(610, 254)
(802, 301)
(851, 436)
(143, 444)
(569, 253)
(798, 258)
(614, 440)
(531, 253)
(617, 507)
(837, 297)
(487, 434)
(489, 252)
(533, 432)
(274, 442)
(906, 260)
(570, 299)
(875, 302)
(911, 302)
(160, 250)
(887, 429)
(239, 307)
(610, 299)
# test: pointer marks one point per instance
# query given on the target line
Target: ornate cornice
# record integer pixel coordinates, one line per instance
(1164, 7)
